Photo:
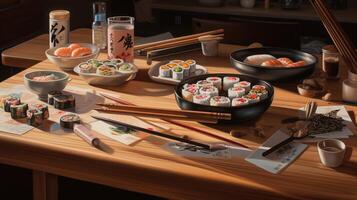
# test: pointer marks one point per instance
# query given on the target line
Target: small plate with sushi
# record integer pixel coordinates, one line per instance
(273, 64)
(173, 71)
(106, 72)
(245, 97)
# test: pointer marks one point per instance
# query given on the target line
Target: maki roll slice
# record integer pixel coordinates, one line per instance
(126, 68)
(64, 101)
(172, 65)
(43, 108)
(188, 85)
(165, 71)
(209, 90)
(188, 93)
(202, 99)
(204, 83)
(252, 98)
(220, 101)
(192, 64)
(105, 70)
(94, 63)
(86, 68)
(259, 87)
(34, 117)
(177, 73)
(186, 69)
(244, 84)
(67, 121)
(51, 95)
(235, 92)
(216, 81)
(229, 82)
(18, 111)
(262, 93)
(11, 101)
(240, 101)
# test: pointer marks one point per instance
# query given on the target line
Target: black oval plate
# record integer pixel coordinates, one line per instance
(274, 74)
(239, 114)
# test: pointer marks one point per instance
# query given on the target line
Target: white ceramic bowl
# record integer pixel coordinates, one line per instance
(41, 88)
(68, 63)
(114, 80)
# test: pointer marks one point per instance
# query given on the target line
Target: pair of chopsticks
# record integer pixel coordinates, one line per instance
(343, 43)
(177, 123)
(199, 116)
(181, 41)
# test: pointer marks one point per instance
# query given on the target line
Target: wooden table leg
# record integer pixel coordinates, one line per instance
(45, 186)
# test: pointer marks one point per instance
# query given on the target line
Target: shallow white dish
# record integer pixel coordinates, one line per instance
(154, 73)
(68, 63)
(114, 80)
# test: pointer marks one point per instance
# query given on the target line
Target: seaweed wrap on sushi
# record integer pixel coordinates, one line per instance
(220, 101)
(243, 84)
(11, 101)
(177, 73)
(202, 99)
(209, 90)
(240, 101)
(41, 107)
(216, 81)
(165, 71)
(18, 111)
(34, 117)
(235, 92)
(192, 64)
(262, 93)
(68, 120)
(229, 82)
(188, 93)
(51, 95)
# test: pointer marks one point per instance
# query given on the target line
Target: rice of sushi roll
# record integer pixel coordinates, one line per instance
(177, 61)
(203, 83)
(216, 81)
(177, 73)
(43, 108)
(85, 68)
(11, 101)
(126, 68)
(262, 93)
(243, 84)
(165, 71)
(18, 111)
(252, 98)
(192, 64)
(188, 93)
(188, 85)
(240, 101)
(34, 117)
(209, 90)
(105, 70)
(202, 99)
(235, 92)
(186, 69)
(94, 63)
(220, 101)
(229, 81)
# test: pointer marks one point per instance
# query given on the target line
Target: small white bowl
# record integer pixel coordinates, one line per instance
(331, 152)
(68, 63)
(114, 80)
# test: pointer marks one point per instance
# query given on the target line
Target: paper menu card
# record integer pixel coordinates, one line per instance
(278, 160)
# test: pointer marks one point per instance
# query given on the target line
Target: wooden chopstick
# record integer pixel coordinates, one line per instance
(142, 46)
(152, 132)
(184, 125)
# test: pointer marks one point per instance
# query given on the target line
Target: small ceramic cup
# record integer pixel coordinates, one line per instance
(210, 48)
(332, 152)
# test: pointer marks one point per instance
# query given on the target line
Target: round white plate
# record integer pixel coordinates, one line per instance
(154, 73)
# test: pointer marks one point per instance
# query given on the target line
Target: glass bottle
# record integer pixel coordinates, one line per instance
(99, 26)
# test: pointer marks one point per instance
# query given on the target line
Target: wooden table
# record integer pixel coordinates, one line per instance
(149, 169)
(31, 52)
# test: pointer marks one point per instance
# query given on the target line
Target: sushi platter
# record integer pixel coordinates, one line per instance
(172, 72)
(106, 72)
(245, 97)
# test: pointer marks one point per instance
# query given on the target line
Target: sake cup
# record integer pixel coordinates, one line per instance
(331, 152)
(210, 48)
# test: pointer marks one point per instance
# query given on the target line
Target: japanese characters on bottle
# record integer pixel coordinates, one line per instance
(59, 28)
(121, 38)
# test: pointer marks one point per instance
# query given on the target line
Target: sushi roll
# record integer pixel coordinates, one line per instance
(105, 70)
(177, 73)
(50, 96)
(188, 93)
(165, 71)
(235, 92)
(41, 107)
(259, 87)
(67, 121)
(85, 68)
(262, 93)
(177, 61)
(186, 69)
(216, 81)
(11, 101)
(202, 99)
(220, 101)
(172, 65)
(240, 101)
(94, 63)
(126, 68)
(18, 111)
(204, 83)
(209, 90)
(34, 117)
(252, 98)
(229, 81)
(188, 85)
(64, 101)
(192, 64)
(117, 61)
(243, 84)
